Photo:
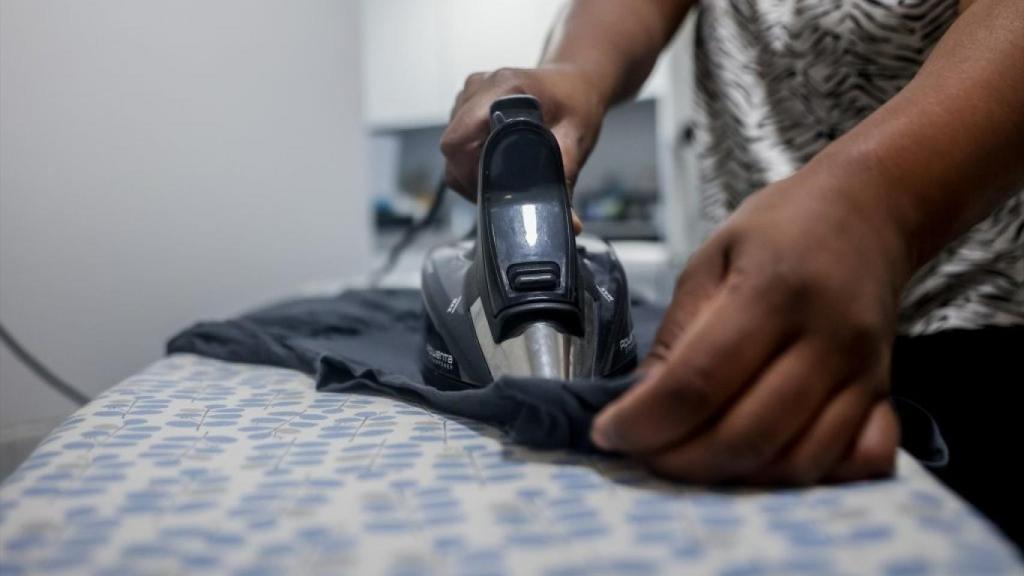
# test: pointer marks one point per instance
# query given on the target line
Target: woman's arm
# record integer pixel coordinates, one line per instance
(949, 148)
(617, 41)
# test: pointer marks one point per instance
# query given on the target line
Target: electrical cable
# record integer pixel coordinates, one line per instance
(40, 369)
(409, 235)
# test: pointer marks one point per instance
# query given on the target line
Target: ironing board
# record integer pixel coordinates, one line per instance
(200, 466)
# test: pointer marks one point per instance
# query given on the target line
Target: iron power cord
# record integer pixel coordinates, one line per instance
(409, 235)
(40, 369)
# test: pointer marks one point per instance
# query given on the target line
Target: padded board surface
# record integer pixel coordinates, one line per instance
(201, 466)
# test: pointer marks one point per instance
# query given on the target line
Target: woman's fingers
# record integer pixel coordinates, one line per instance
(570, 141)
(461, 143)
(577, 224)
(470, 124)
(694, 288)
(761, 423)
(824, 443)
(873, 454)
(732, 339)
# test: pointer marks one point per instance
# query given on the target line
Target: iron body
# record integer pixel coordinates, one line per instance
(526, 298)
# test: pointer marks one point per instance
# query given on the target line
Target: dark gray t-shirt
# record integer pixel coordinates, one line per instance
(371, 341)
(778, 80)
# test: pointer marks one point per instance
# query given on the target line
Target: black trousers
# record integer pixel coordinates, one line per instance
(971, 382)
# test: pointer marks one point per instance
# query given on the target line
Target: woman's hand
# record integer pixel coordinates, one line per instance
(572, 110)
(772, 363)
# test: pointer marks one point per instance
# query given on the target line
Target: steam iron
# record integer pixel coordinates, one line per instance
(527, 298)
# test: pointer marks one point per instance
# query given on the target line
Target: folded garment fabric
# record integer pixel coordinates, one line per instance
(369, 341)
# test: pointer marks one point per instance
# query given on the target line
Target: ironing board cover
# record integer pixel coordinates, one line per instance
(200, 466)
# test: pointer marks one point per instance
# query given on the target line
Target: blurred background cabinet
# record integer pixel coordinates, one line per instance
(418, 53)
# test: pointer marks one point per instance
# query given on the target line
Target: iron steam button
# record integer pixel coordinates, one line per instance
(542, 281)
(534, 276)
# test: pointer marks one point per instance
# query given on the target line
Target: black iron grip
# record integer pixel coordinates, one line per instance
(527, 250)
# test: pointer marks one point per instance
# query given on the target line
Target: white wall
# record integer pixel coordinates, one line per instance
(163, 162)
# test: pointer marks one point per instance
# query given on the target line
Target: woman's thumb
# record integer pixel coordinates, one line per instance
(569, 142)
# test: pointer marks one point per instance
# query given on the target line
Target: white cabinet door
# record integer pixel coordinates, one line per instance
(417, 53)
(483, 36)
(403, 63)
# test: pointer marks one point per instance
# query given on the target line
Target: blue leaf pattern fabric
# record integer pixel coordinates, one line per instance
(201, 466)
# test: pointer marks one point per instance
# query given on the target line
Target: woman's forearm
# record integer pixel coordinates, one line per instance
(949, 148)
(616, 41)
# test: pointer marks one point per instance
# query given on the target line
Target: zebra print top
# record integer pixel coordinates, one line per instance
(780, 79)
